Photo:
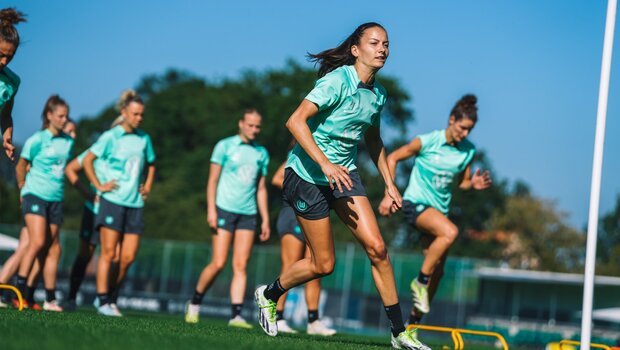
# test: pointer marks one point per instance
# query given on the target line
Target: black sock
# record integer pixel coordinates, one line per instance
(29, 295)
(274, 291)
(423, 278)
(236, 309)
(414, 319)
(103, 298)
(279, 315)
(395, 316)
(50, 294)
(114, 295)
(21, 285)
(313, 315)
(77, 276)
(197, 298)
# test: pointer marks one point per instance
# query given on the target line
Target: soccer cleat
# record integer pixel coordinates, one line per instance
(35, 307)
(420, 296)
(52, 306)
(408, 340)
(106, 310)
(266, 312)
(114, 308)
(192, 312)
(3, 305)
(15, 303)
(239, 322)
(96, 303)
(283, 327)
(319, 328)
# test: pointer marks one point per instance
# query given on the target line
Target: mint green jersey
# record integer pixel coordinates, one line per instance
(125, 156)
(243, 164)
(100, 170)
(9, 83)
(347, 108)
(48, 155)
(435, 168)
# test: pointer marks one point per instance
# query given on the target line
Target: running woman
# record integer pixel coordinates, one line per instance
(236, 187)
(441, 156)
(9, 81)
(10, 266)
(320, 174)
(89, 235)
(293, 248)
(125, 150)
(39, 174)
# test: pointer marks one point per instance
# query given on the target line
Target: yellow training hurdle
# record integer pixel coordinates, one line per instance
(457, 337)
(16, 291)
(578, 343)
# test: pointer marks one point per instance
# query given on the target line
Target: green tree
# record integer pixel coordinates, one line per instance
(609, 242)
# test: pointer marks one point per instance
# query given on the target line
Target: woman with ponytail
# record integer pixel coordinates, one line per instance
(320, 174)
(441, 156)
(125, 151)
(9, 81)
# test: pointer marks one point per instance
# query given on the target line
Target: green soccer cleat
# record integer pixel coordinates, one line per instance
(408, 340)
(192, 313)
(420, 296)
(266, 312)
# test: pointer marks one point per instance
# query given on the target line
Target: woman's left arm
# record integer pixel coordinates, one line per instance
(476, 181)
(148, 184)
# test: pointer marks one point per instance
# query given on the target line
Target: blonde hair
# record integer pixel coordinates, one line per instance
(127, 97)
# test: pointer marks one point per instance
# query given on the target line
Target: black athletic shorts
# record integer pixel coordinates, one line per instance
(231, 221)
(119, 218)
(287, 223)
(413, 210)
(88, 232)
(313, 202)
(51, 211)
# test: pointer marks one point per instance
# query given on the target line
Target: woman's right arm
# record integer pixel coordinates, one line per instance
(337, 175)
(404, 152)
(20, 172)
(89, 169)
(278, 177)
(71, 172)
(6, 126)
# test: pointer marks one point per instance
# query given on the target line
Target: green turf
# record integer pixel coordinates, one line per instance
(87, 330)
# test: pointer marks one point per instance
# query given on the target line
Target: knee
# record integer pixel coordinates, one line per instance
(218, 265)
(324, 267)
(239, 267)
(377, 252)
(127, 259)
(107, 254)
(55, 250)
(450, 234)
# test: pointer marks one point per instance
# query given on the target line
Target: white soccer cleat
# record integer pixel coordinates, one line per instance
(192, 313)
(319, 328)
(266, 312)
(115, 309)
(420, 296)
(107, 310)
(283, 327)
(52, 306)
(239, 322)
(408, 340)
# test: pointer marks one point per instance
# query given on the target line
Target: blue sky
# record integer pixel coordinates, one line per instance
(535, 66)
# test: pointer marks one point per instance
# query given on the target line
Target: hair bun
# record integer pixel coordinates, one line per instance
(10, 16)
(469, 100)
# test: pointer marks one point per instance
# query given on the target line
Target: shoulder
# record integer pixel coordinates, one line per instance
(12, 76)
(338, 77)
(467, 146)
(36, 137)
(381, 92)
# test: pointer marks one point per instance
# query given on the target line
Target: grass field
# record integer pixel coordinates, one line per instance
(87, 330)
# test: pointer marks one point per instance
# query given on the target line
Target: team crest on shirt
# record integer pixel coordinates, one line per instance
(301, 205)
(442, 179)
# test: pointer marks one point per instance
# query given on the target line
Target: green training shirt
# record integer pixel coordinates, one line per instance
(48, 156)
(9, 83)
(242, 166)
(125, 156)
(347, 108)
(435, 168)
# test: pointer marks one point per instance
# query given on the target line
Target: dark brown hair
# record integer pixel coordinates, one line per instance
(466, 108)
(341, 55)
(50, 105)
(9, 17)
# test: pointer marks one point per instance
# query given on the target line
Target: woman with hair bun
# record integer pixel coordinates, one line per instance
(125, 150)
(441, 156)
(9, 81)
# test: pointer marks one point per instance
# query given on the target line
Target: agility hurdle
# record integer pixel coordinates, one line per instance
(16, 291)
(457, 337)
(578, 343)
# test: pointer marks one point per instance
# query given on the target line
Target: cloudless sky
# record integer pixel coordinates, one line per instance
(535, 66)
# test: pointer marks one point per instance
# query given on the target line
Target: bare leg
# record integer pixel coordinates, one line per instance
(242, 249)
(221, 244)
(291, 251)
(12, 263)
(109, 240)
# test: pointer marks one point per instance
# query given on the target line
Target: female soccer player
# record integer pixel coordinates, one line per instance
(9, 81)
(89, 236)
(293, 248)
(39, 174)
(125, 151)
(441, 155)
(320, 174)
(236, 187)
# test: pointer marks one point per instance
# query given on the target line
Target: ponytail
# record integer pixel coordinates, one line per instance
(9, 17)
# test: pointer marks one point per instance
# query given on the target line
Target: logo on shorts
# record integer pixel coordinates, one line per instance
(221, 222)
(297, 229)
(109, 220)
(419, 208)
(34, 208)
(301, 205)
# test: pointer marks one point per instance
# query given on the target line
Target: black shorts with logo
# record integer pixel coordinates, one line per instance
(313, 202)
(119, 218)
(231, 221)
(88, 232)
(51, 211)
(413, 210)
(287, 223)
